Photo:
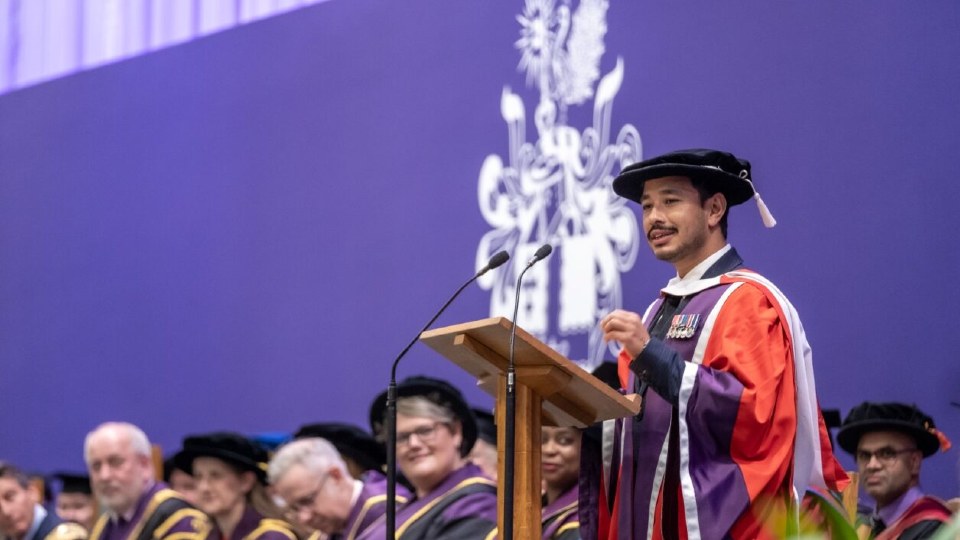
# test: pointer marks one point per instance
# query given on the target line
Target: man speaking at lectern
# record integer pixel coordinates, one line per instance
(731, 429)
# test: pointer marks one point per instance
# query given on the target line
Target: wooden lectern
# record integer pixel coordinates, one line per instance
(549, 388)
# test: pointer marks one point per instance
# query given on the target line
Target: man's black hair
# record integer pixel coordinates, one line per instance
(9, 470)
(706, 191)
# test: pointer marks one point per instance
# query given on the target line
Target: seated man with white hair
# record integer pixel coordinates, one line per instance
(136, 505)
(312, 478)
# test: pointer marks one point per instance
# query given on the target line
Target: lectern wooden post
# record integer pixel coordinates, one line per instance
(550, 389)
(156, 457)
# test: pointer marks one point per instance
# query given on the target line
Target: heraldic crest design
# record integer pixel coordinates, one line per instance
(557, 189)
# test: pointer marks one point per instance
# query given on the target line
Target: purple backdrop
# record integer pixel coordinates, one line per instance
(241, 232)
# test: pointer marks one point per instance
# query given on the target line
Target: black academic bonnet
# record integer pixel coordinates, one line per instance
(439, 392)
(233, 448)
(172, 464)
(720, 171)
(908, 419)
(73, 483)
(486, 426)
(350, 441)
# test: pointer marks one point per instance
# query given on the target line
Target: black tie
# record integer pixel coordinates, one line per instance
(878, 527)
(661, 323)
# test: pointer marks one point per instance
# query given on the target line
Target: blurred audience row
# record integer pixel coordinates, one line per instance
(328, 481)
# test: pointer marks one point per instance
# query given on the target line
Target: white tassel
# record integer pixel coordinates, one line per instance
(768, 220)
(765, 215)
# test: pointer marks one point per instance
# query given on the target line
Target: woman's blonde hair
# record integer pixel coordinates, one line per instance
(422, 407)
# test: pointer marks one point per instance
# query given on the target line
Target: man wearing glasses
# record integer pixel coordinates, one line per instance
(312, 478)
(889, 441)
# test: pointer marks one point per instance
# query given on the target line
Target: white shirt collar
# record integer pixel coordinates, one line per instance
(697, 271)
(357, 488)
(39, 514)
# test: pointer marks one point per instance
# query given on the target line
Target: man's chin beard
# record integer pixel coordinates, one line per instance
(667, 256)
(106, 503)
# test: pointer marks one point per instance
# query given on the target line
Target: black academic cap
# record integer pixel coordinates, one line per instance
(486, 426)
(73, 483)
(721, 171)
(350, 441)
(438, 391)
(233, 448)
(171, 464)
(869, 417)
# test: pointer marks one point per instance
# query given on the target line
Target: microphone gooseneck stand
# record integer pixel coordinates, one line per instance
(390, 424)
(510, 411)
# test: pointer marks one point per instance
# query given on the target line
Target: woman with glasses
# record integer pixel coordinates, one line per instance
(436, 430)
(230, 471)
(560, 471)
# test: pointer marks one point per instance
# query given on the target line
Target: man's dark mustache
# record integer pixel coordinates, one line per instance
(655, 229)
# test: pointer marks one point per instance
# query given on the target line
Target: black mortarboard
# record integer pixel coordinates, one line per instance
(719, 171)
(74, 483)
(233, 448)
(869, 417)
(171, 464)
(439, 392)
(486, 426)
(350, 441)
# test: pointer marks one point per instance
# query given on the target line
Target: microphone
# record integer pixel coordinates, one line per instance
(390, 424)
(498, 259)
(511, 405)
(541, 254)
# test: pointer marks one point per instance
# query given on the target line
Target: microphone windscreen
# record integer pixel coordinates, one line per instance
(544, 250)
(498, 259)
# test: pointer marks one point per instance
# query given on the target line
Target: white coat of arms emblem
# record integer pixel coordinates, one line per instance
(557, 189)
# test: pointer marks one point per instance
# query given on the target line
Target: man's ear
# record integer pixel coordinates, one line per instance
(716, 207)
(35, 492)
(335, 473)
(916, 458)
(146, 463)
